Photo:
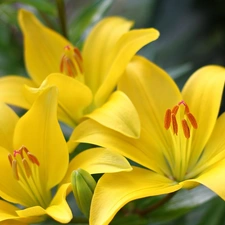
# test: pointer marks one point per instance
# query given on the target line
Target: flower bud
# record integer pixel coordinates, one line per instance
(83, 185)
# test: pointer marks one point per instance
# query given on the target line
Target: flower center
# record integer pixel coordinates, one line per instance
(71, 62)
(187, 119)
(25, 169)
(23, 165)
(181, 123)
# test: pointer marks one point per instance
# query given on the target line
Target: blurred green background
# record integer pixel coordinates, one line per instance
(192, 35)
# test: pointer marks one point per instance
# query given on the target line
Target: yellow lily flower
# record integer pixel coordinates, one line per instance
(34, 159)
(85, 79)
(181, 144)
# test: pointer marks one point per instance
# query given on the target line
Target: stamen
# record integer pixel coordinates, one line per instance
(186, 109)
(186, 129)
(26, 167)
(10, 159)
(33, 159)
(15, 162)
(174, 123)
(175, 109)
(167, 119)
(187, 120)
(71, 63)
(192, 120)
(15, 169)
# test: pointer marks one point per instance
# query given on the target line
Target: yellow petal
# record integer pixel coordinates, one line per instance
(73, 96)
(119, 114)
(12, 90)
(43, 47)
(34, 214)
(152, 92)
(9, 215)
(138, 150)
(123, 52)
(8, 122)
(213, 178)
(40, 132)
(203, 93)
(113, 191)
(97, 160)
(214, 150)
(59, 209)
(98, 47)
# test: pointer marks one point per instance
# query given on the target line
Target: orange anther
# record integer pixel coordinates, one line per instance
(33, 159)
(71, 62)
(174, 123)
(26, 167)
(10, 159)
(192, 120)
(167, 119)
(186, 129)
(175, 109)
(15, 169)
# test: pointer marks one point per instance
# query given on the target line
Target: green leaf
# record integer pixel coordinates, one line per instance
(181, 203)
(86, 19)
(214, 213)
(40, 5)
(129, 220)
(8, 14)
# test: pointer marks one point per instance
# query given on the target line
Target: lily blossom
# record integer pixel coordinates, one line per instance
(181, 144)
(34, 159)
(86, 79)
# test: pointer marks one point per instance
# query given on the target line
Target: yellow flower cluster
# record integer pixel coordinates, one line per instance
(114, 99)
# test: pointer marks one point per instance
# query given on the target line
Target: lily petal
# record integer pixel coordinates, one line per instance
(43, 47)
(124, 50)
(203, 93)
(213, 178)
(59, 209)
(119, 114)
(12, 90)
(98, 47)
(137, 150)
(113, 191)
(73, 96)
(215, 148)
(97, 160)
(8, 122)
(38, 130)
(157, 92)
(9, 215)
(36, 212)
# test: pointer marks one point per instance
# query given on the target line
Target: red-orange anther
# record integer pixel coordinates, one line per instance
(186, 129)
(71, 62)
(175, 109)
(192, 120)
(167, 119)
(174, 124)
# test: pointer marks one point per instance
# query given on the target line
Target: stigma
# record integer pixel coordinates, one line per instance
(187, 119)
(71, 62)
(22, 162)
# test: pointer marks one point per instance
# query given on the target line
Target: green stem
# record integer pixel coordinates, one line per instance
(155, 206)
(62, 16)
